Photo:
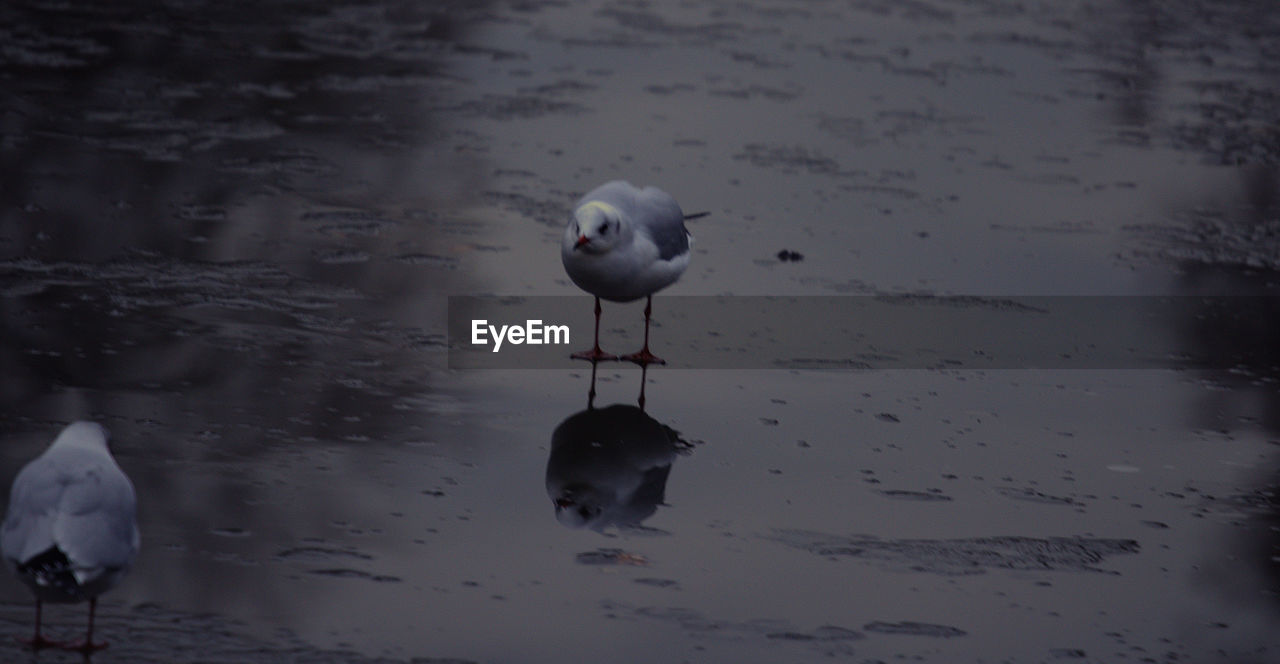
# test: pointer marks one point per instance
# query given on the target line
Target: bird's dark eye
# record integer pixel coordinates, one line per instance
(604, 230)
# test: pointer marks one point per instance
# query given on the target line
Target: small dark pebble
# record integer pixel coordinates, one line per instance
(788, 255)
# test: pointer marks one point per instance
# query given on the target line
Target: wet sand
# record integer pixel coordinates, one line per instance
(230, 235)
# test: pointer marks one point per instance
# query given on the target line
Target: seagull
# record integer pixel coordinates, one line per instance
(71, 531)
(624, 243)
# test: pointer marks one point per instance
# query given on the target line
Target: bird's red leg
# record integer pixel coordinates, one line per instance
(591, 394)
(88, 647)
(644, 377)
(644, 358)
(595, 354)
(37, 641)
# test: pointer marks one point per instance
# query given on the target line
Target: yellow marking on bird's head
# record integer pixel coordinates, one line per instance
(603, 207)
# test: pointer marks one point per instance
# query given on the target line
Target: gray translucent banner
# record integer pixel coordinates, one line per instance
(876, 332)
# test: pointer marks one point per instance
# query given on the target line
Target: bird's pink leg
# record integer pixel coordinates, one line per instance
(88, 647)
(595, 354)
(37, 641)
(644, 358)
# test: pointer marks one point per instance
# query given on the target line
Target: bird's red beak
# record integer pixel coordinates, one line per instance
(582, 239)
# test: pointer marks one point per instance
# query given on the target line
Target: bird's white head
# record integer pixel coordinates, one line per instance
(89, 435)
(596, 228)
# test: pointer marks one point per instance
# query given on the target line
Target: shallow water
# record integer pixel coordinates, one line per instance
(230, 234)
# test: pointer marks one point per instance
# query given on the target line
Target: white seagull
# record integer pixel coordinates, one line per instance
(624, 243)
(71, 531)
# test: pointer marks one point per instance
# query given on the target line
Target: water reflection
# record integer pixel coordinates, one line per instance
(1230, 247)
(1240, 402)
(591, 392)
(1224, 241)
(227, 232)
(173, 221)
(609, 466)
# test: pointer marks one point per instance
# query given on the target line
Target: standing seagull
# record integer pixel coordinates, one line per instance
(624, 243)
(71, 531)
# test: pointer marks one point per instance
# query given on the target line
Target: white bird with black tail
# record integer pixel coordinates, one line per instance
(71, 531)
(624, 243)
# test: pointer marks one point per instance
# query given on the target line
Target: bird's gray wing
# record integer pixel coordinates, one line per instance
(33, 507)
(664, 222)
(80, 502)
(97, 519)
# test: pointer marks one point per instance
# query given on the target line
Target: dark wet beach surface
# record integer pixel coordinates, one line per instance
(229, 233)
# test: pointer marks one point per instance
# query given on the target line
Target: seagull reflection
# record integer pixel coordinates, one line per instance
(609, 467)
(591, 393)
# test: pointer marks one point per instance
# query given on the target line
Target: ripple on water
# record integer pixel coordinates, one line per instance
(1033, 496)
(824, 633)
(826, 639)
(909, 628)
(150, 633)
(348, 573)
(316, 553)
(611, 557)
(932, 495)
(965, 556)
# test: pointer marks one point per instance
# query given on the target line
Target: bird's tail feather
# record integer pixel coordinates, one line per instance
(52, 569)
